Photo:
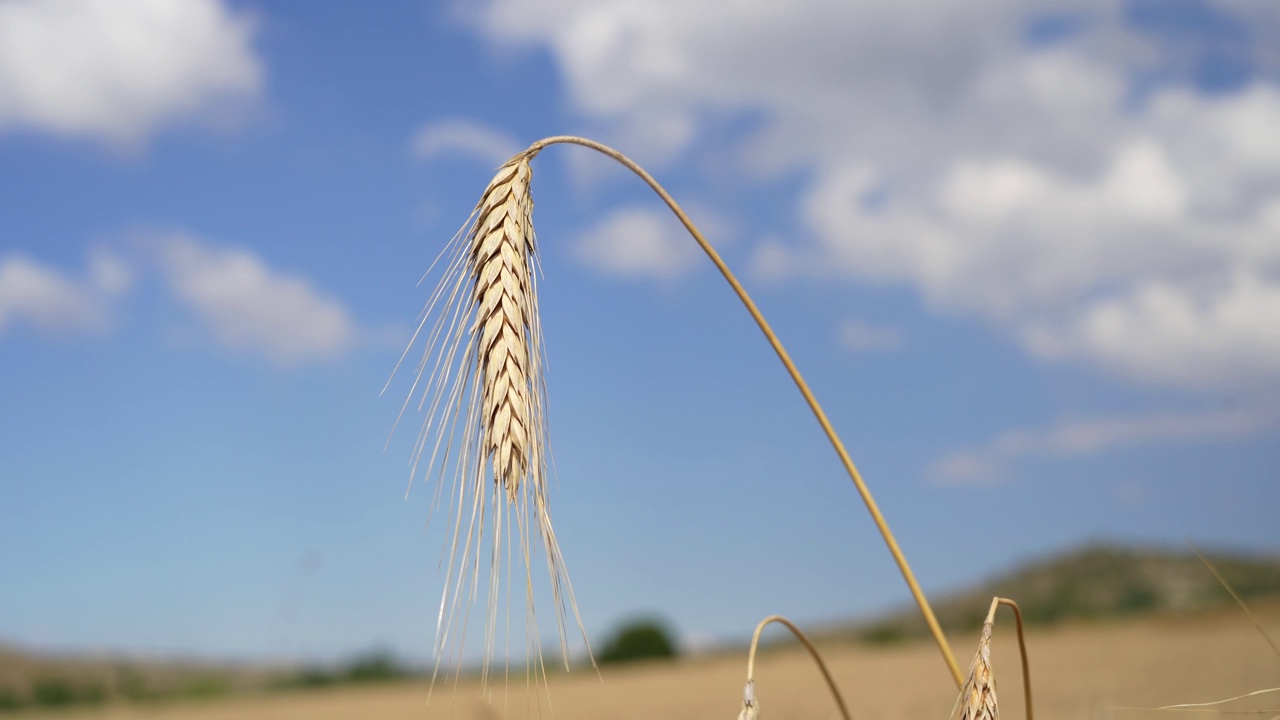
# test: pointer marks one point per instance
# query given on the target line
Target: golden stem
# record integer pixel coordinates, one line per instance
(1022, 649)
(827, 428)
(813, 651)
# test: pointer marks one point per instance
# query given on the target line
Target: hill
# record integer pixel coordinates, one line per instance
(55, 680)
(1094, 582)
(46, 680)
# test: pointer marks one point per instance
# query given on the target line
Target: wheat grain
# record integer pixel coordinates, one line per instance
(483, 394)
(506, 321)
(977, 699)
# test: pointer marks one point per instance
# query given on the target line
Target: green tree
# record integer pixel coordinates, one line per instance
(639, 639)
(376, 665)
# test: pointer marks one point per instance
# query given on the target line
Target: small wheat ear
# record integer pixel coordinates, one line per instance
(977, 699)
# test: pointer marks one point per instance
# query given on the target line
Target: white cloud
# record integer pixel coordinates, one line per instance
(1220, 334)
(651, 67)
(1118, 268)
(773, 260)
(859, 336)
(243, 303)
(1042, 189)
(251, 307)
(464, 137)
(118, 69)
(50, 301)
(1091, 436)
(638, 242)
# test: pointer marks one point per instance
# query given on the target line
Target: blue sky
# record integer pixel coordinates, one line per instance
(1029, 261)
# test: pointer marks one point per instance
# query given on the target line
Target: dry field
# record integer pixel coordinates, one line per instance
(1080, 671)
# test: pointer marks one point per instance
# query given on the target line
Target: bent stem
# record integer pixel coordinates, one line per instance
(1022, 649)
(749, 693)
(934, 628)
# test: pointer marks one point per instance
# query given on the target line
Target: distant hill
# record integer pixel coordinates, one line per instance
(30, 679)
(47, 680)
(1097, 581)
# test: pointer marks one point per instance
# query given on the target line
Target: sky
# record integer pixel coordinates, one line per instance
(1028, 256)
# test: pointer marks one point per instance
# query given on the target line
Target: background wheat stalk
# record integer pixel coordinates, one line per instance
(977, 700)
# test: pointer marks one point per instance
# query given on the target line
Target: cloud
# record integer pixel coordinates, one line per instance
(1086, 194)
(1219, 334)
(635, 242)
(250, 307)
(1118, 269)
(1091, 436)
(466, 138)
(116, 70)
(859, 336)
(52, 302)
(244, 304)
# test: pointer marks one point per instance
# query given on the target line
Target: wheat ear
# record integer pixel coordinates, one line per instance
(977, 699)
(482, 390)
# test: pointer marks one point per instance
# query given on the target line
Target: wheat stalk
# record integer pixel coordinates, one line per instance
(482, 390)
(486, 302)
(750, 704)
(819, 414)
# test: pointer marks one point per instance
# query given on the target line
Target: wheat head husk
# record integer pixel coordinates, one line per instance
(482, 390)
(978, 695)
(502, 245)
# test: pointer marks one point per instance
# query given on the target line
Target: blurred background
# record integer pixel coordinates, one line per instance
(1027, 255)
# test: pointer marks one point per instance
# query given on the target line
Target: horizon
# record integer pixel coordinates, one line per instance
(716, 646)
(817, 628)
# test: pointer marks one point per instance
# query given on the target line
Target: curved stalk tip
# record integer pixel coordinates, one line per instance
(749, 700)
(1022, 648)
(934, 628)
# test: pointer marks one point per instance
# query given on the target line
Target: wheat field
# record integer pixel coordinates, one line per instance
(1078, 671)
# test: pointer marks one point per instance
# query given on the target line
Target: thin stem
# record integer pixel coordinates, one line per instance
(1239, 600)
(827, 428)
(1022, 649)
(813, 651)
(1188, 706)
